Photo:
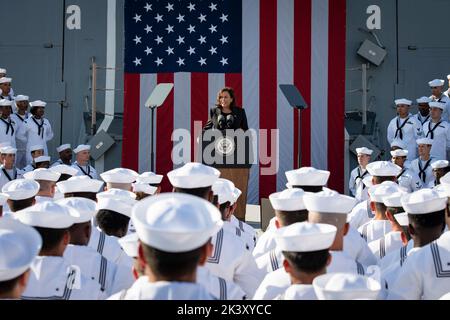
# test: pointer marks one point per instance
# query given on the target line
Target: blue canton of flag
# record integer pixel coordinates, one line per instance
(183, 36)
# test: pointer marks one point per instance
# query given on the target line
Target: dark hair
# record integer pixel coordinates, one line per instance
(50, 237)
(199, 192)
(17, 205)
(64, 177)
(381, 179)
(141, 195)
(171, 265)
(290, 217)
(154, 184)
(395, 210)
(428, 220)
(232, 96)
(313, 189)
(223, 207)
(86, 195)
(309, 262)
(215, 200)
(111, 221)
(380, 207)
(8, 285)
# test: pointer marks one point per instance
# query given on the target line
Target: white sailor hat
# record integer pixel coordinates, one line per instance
(3, 198)
(439, 164)
(383, 169)
(130, 244)
(328, 201)
(82, 147)
(394, 200)
(305, 237)
(402, 219)
(367, 181)
(116, 205)
(3, 70)
(42, 174)
(288, 200)
(364, 150)
(119, 175)
(64, 169)
(403, 101)
(42, 159)
(398, 143)
(47, 214)
(427, 141)
(63, 147)
(224, 189)
(176, 222)
(399, 153)
(149, 177)
(5, 144)
(83, 209)
(236, 194)
(80, 184)
(145, 188)
(38, 103)
(436, 83)
(424, 100)
(21, 97)
(383, 190)
(37, 147)
(5, 103)
(436, 104)
(119, 194)
(423, 201)
(345, 286)
(307, 176)
(21, 189)
(8, 150)
(19, 246)
(5, 80)
(193, 175)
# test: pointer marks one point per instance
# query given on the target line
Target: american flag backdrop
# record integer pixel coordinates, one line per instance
(252, 46)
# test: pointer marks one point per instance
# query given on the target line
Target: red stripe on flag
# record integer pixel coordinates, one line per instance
(234, 80)
(199, 105)
(164, 129)
(336, 92)
(268, 85)
(302, 77)
(130, 145)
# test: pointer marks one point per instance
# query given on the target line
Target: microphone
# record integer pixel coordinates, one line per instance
(221, 120)
(230, 121)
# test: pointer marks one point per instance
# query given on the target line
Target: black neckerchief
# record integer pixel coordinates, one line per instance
(431, 131)
(361, 176)
(422, 171)
(8, 125)
(426, 119)
(8, 176)
(401, 173)
(399, 131)
(40, 127)
(20, 117)
(88, 173)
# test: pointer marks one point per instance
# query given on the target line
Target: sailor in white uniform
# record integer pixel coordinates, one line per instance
(21, 193)
(119, 178)
(6, 92)
(423, 114)
(65, 155)
(438, 130)
(305, 247)
(142, 191)
(422, 165)
(36, 151)
(152, 179)
(407, 178)
(8, 171)
(347, 286)
(448, 90)
(8, 127)
(20, 244)
(66, 172)
(47, 183)
(440, 169)
(357, 175)
(247, 230)
(174, 232)
(82, 155)
(437, 88)
(51, 276)
(19, 117)
(230, 259)
(405, 127)
(424, 275)
(36, 130)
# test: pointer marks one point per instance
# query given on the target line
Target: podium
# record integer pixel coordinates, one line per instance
(232, 153)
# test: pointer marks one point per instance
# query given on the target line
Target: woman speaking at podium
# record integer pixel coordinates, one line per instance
(226, 115)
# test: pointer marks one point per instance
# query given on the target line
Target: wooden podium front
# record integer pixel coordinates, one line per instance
(239, 176)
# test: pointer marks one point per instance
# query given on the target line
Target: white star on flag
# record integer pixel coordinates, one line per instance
(191, 50)
(224, 18)
(159, 17)
(148, 51)
(159, 39)
(137, 39)
(169, 28)
(148, 29)
(202, 61)
(191, 7)
(202, 39)
(180, 18)
(148, 7)
(159, 61)
(213, 50)
(180, 61)
(224, 61)
(137, 18)
(202, 17)
(169, 7)
(169, 51)
(191, 29)
(213, 6)
(180, 40)
(213, 28)
(137, 62)
(223, 39)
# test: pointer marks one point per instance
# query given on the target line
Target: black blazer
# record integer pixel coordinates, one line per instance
(240, 119)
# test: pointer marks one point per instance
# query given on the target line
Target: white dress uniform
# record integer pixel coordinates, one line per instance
(40, 199)
(375, 229)
(408, 130)
(421, 119)
(440, 134)
(361, 214)
(355, 181)
(231, 228)
(7, 175)
(265, 243)
(299, 292)
(35, 132)
(21, 155)
(8, 131)
(443, 99)
(392, 241)
(391, 264)
(248, 232)
(218, 287)
(423, 169)
(409, 180)
(277, 282)
(53, 278)
(85, 170)
(142, 289)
